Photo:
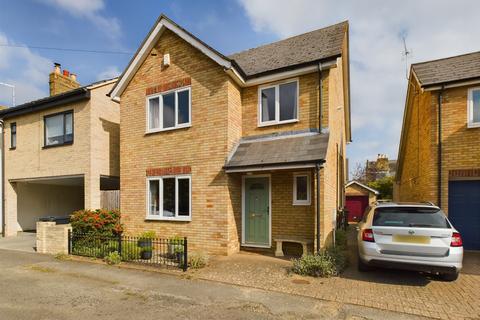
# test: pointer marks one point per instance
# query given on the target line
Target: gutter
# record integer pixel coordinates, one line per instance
(317, 170)
(320, 106)
(439, 153)
(2, 179)
(47, 103)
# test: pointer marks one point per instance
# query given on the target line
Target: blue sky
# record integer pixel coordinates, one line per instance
(433, 29)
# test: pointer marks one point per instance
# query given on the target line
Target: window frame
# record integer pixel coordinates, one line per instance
(62, 113)
(277, 120)
(160, 105)
(297, 202)
(160, 192)
(470, 123)
(12, 146)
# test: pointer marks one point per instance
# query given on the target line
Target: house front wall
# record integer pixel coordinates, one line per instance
(94, 145)
(202, 148)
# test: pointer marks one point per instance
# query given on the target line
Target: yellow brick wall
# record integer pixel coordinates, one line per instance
(203, 146)
(307, 107)
(332, 194)
(419, 155)
(419, 180)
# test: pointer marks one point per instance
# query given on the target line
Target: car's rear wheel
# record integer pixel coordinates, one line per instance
(452, 276)
(362, 266)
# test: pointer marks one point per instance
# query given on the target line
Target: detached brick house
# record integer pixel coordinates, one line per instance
(59, 152)
(439, 155)
(234, 151)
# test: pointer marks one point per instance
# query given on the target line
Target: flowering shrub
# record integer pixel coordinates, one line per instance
(100, 222)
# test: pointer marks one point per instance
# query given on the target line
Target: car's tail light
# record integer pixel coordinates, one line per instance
(367, 235)
(456, 240)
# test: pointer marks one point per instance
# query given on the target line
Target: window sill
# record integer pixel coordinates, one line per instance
(57, 145)
(301, 203)
(157, 218)
(167, 129)
(276, 123)
(472, 125)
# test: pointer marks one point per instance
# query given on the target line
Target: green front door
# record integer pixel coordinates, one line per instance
(257, 220)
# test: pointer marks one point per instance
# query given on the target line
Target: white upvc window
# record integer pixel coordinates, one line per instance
(278, 104)
(301, 189)
(473, 109)
(169, 198)
(169, 110)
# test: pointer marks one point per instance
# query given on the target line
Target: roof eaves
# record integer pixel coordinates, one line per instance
(75, 95)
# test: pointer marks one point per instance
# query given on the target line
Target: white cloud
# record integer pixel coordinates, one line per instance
(26, 70)
(90, 10)
(434, 29)
(108, 73)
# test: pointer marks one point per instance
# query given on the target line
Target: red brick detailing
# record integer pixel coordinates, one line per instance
(168, 171)
(169, 86)
(464, 173)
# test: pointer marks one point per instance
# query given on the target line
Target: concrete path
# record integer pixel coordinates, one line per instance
(36, 286)
(24, 241)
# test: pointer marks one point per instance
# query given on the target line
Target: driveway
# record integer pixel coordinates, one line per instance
(36, 286)
(24, 241)
(394, 290)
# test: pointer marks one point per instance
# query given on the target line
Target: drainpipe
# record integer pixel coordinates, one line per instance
(2, 174)
(318, 167)
(439, 155)
(320, 83)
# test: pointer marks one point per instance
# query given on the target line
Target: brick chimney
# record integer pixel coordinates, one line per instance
(61, 82)
(382, 162)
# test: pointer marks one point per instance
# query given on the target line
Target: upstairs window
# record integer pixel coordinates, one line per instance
(58, 129)
(278, 103)
(13, 135)
(170, 110)
(474, 108)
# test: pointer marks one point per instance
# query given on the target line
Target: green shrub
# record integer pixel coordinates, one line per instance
(98, 222)
(113, 258)
(326, 263)
(130, 251)
(197, 260)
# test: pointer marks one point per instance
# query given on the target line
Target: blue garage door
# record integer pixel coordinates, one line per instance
(464, 211)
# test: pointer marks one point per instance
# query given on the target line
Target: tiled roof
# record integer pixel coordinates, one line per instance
(305, 48)
(276, 149)
(451, 69)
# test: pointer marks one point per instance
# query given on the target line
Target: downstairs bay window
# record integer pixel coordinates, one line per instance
(169, 198)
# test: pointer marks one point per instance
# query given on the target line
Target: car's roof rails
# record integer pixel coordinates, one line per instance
(429, 203)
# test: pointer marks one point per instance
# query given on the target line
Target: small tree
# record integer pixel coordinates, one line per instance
(358, 173)
(384, 186)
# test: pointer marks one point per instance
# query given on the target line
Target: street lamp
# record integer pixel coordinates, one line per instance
(13, 91)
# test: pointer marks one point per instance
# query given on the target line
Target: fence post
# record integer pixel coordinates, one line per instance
(185, 254)
(119, 244)
(69, 241)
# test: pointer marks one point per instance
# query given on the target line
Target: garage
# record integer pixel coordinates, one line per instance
(358, 198)
(464, 211)
(49, 196)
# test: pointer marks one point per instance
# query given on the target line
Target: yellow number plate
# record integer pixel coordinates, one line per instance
(411, 239)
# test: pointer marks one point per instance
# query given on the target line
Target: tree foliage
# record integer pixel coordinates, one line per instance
(384, 186)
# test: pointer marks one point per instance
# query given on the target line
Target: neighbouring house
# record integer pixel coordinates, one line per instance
(358, 198)
(234, 151)
(439, 154)
(380, 168)
(59, 152)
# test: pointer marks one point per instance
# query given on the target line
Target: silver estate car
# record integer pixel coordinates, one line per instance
(412, 236)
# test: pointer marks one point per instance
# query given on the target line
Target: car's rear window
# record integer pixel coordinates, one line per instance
(410, 217)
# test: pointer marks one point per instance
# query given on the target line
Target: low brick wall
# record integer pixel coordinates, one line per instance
(52, 238)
